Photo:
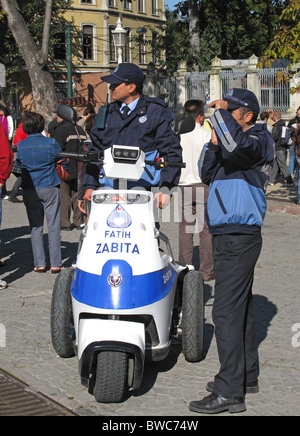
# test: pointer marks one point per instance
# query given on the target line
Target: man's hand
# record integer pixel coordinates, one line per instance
(214, 138)
(88, 194)
(162, 200)
(81, 207)
(219, 104)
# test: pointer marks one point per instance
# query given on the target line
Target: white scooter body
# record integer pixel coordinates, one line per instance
(123, 288)
(118, 304)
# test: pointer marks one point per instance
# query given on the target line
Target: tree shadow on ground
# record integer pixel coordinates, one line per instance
(16, 251)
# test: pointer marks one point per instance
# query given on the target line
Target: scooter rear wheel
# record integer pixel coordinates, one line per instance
(193, 316)
(61, 319)
(111, 377)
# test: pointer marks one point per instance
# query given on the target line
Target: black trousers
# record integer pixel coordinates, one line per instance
(235, 257)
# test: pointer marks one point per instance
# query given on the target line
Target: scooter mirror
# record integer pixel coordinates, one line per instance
(185, 126)
(67, 113)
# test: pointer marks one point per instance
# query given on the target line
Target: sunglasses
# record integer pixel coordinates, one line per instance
(115, 85)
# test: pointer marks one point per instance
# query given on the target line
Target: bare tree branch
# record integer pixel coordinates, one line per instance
(42, 84)
(46, 32)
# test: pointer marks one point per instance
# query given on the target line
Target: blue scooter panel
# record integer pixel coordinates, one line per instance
(117, 288)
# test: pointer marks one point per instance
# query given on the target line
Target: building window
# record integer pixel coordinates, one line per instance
(126, 52)
(127, 5)
(141, 6)
(155, 52)
(86, 1)
(142, 49)
(61, 89)
(112, 48)
(87, 42)
(59, 49)
(112, 3)
(154, 7)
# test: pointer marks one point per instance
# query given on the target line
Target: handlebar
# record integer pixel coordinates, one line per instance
(85, 157)
(91, 156)
(162, 163)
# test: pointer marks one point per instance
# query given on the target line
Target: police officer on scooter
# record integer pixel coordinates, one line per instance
(134, 119)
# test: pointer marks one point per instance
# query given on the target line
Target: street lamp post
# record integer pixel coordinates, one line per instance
(119, 37)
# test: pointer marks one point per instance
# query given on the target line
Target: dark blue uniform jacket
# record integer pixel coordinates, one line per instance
(149, 126)
(237, 170)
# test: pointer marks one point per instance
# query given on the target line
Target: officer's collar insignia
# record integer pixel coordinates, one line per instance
(143, 119)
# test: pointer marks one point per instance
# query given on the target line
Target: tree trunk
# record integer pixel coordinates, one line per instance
(43, 90)
(194, 27)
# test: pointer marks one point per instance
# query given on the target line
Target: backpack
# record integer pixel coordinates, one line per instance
(285, 139)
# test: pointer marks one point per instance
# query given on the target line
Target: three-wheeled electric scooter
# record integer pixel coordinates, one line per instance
(119, 305)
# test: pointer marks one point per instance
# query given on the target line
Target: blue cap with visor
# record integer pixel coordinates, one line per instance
(125, 72)
(238, 97)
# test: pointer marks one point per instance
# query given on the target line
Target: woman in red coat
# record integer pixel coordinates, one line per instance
(6, 161)
(16, 170)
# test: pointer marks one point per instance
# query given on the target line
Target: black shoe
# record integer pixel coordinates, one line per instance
(251, 388)
(217, 404)
(14, 199)
(68, 229)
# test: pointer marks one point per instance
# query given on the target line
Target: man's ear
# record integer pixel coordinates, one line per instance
(248, 116)
(132, 87)
(200, 119)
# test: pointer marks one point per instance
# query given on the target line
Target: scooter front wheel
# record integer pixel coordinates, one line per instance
(193, 316)
(61, 319)
(111, 377)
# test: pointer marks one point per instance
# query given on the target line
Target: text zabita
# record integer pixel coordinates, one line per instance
(117, 247)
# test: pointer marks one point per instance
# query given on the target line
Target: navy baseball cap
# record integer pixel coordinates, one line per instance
(238, 97)
(125, 72)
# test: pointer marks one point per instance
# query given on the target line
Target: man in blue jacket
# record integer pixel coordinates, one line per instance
(138, 120)
(236, 165)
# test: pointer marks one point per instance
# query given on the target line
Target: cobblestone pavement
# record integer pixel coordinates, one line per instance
(168, 386)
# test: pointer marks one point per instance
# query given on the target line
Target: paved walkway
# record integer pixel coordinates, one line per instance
(282, 199)
(168, 386)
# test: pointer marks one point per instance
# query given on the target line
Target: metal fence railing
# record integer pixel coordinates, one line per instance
(197, 86)
(233, 79)
(274, 93)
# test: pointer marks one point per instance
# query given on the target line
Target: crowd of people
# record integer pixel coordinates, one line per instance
(230, 157)
(284, 148)
(44, 193)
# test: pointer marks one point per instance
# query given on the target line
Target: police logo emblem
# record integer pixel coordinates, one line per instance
(143, 119)
(119, 218)
(114, 279)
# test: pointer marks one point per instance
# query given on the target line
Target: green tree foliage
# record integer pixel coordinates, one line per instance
(234, 29)
(286, 42)
(33, 12)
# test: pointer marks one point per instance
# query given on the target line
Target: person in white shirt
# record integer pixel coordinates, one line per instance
(193, 194)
